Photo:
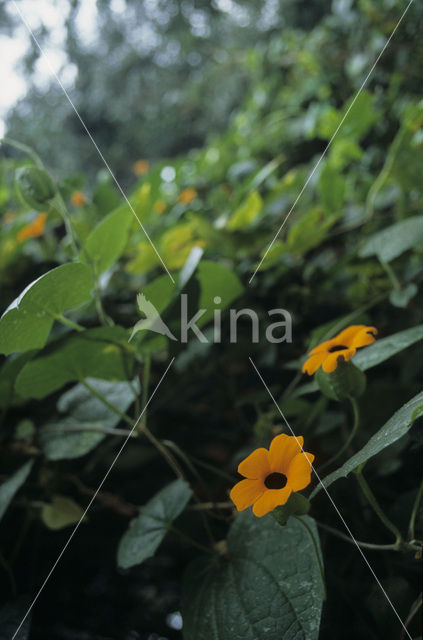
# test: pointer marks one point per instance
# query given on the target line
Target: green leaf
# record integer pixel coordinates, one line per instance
(216, 280)
(246, 214)
(387, 347)
(11, 486)
(11, 616)
(85, 410)
(268, 587)
(331, 188)
(394, 429)
(94, 353)
(401, 297)
(107, 240)
(26, 323)
(61, 512)
(8, 375)
(147, 531)
(358, 119)
(309, 231)
(392, 241)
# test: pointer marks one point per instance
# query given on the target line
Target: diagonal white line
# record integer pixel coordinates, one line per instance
(333, 503)
(332, 139)
(31, 33)
(91, 501)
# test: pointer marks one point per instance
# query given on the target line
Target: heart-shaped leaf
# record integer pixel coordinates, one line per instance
(85, 410)
(147, 531)
(268, 587)
(26, 323)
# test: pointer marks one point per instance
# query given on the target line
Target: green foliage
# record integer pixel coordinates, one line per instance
(107, 241)
(348, 251)
(392, 241)
(387, 347)
(147, 531)
(60, 513)
(256, 591)
(27, 321)
(95, 353)
(83, 410)
(11, 486)
(394, 429)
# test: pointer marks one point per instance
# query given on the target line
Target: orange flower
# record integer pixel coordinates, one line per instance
(272, 475)
(141, 167)
(159, 206)
(187, 195)
(330, 353)
(78, 198)
(34, 229)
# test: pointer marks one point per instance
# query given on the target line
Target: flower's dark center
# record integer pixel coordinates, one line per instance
(275, 481)
(337, 347)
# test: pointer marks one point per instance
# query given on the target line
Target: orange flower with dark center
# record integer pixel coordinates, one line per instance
(78, 199)
(330, 353)
(187, 195)
(272, 475)
(34, 229)
(141, 167)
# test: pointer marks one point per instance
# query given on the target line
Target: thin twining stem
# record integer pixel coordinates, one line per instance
(376, 506)
(354, 429)
(141, 429)
(414, 512)
(364, 545)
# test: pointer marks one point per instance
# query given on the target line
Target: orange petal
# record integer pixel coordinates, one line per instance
(256, 465)
(347, 335)
(246, 492)
(364, 337)
(331, 362)
(282, 449)
(299, 471)
(270, 499)
(323, 347)
(313, 363)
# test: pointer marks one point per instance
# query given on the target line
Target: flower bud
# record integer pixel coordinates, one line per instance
(35, 187)
(347, 380)
(297, 505)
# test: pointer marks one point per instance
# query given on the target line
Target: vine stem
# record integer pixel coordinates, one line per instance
(141, 428)
(376, 507)
(145, 384)
(356, 424)
(69, 323)
(414, 512)
(316, 550)
(364, 545)
(108, 404)
(184, 536)
(25, 149)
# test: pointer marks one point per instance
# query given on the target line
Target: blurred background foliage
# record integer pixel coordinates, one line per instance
(213, 115)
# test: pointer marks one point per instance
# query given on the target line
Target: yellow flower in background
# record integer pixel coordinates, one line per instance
(159, 206)
(141, 167)
(272, 475)
(187, 195)
(34, 229)
(330, 353)
(78, 199)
